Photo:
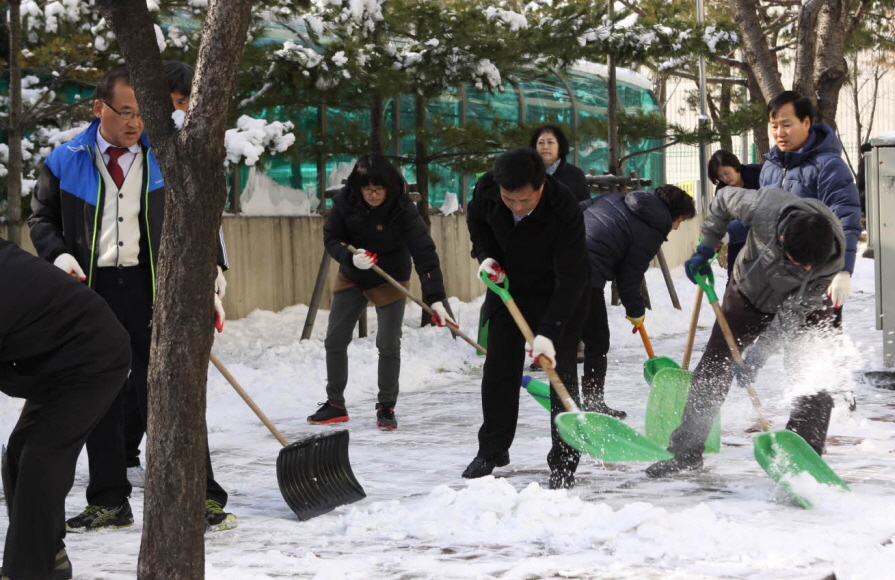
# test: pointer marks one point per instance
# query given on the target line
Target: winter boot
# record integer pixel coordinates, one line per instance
(592, 397)
(385, 416)
(329, 413)
(690, 461)
(561, 479)
(98, 517)
(216, 519)
(482, 466)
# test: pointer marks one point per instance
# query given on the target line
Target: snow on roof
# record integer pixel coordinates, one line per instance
(622, 74)
(884, 140)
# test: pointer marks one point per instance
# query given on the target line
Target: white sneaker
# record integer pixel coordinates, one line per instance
(137, 476)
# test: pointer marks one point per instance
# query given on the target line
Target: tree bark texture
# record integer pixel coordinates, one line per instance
(760, 130)
(422, 155)
(191, 160)
(377, 129)
(803, 81)
(614, 167)
(831, 68)
(758, 54)
(16, 127)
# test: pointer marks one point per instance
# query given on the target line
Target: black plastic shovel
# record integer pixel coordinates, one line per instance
(314, 474)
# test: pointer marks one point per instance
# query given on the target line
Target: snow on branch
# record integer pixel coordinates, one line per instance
(252, 137)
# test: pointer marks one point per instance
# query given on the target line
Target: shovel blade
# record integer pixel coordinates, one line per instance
(315, 475)
(655, 364)
(537, 389)
(606, 438)
(665, 408)
(784, 455)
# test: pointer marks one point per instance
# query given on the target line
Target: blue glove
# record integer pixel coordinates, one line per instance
(698, 261)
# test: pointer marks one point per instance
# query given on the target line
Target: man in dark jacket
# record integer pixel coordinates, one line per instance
(526, 226)
(97, 214)
(806, 159)
(624, 233)
(65, 353)
(795, 247)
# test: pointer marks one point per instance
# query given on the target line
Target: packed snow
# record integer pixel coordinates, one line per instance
(421, 520)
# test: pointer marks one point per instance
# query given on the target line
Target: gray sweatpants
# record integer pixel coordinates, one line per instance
(346, 309)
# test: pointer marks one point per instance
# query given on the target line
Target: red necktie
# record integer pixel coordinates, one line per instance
(113, 167)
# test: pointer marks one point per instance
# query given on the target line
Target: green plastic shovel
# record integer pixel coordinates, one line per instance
(654, 363)
(537, 389)
(668, 396)
(784, 455)
(597, 435)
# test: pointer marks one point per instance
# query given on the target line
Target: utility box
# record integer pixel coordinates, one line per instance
(880, 199)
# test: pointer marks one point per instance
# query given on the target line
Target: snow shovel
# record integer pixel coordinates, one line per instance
(654, 363)
(784, 455)
(421, 304)
(314, 474)
(668, 396)
(537, 389)
(598, 435)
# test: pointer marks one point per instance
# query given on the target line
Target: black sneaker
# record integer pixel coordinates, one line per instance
(329, 413)
(98, 517)
(61, 571)
(480, 466)
(216, 519)
(385, 416)
(561, 480)
(678, 463)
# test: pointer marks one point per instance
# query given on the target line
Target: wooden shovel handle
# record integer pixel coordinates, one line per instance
(646, 341)
(691, 335)
(422, 304)
(245, 397)
(567, 400)
(738, 358)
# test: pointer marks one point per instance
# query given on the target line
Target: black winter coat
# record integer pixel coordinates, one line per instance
(53, 329)
(624, 233)
(544, 255)
(574, 179)
(394, 231)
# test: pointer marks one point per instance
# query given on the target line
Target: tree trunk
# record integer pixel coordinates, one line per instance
(760, 130)
(173, 546)
(377, 130)
(16, 127)
(803, 81)
(612, 118)
(724, 113)
(755, 47)
(422, 155)
(831, 68)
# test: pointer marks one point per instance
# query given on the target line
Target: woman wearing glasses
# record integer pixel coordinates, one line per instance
(374, 213)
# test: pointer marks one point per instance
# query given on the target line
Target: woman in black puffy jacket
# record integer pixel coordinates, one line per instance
(374, 213)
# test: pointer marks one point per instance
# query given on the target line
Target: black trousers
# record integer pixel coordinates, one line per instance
(128, 291)
(502, 377)
(596, 337)
(810, 415)
(40, 461)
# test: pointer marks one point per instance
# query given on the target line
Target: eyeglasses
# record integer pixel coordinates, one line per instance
(373, 190)
(126, 115)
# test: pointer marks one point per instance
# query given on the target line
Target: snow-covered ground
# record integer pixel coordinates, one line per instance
(421, 520)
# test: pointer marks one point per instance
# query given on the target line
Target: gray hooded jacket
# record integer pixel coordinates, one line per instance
(761, 273)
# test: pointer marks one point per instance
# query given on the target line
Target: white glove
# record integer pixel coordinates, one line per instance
(219, 314)
(840, 288)
(220, 283)
(441, 315)
(68, 264)
(493, 269)
(364, 260)
(543, 346)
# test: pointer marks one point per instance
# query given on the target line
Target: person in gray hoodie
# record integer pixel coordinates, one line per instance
(794, 250)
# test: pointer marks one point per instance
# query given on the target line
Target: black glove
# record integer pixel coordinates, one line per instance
(698, 262)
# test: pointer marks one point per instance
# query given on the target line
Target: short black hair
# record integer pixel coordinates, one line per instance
(180, 77)
(680, 203)
(802, 105)
(105, 87)
(722, 157)
(866, 148)
(519, 167)
(809, 238)
(374, 169)
(561, 138)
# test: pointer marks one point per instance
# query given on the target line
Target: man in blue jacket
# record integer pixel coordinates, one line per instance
(806, 159)
(97, 214)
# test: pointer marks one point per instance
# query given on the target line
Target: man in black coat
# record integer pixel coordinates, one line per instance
(65, 353)
(525, 225)
(624, 234)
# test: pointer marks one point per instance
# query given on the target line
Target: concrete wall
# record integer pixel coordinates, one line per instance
(274, 260)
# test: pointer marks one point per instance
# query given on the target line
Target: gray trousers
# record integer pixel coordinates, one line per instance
(346, 309)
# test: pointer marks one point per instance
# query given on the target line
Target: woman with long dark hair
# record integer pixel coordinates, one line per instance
(374, 213)
(552, 145)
